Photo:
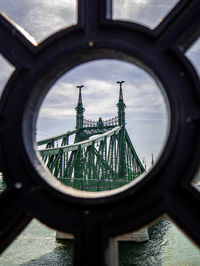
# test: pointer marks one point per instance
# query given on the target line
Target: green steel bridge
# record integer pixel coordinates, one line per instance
(101, 156)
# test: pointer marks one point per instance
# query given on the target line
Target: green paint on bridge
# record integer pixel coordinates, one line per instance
(102, 156)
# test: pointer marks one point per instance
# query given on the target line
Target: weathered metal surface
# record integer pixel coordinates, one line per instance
(167, 188)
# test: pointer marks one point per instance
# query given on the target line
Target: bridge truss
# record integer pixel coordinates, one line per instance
(102, 156)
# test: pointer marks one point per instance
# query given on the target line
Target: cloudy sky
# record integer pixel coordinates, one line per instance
(146, 113)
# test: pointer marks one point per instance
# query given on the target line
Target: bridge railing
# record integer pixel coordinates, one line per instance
(108, 122)
(75, 146)
(56, 138)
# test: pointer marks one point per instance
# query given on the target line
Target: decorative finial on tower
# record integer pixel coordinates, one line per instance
(120, 90)
(80, 96)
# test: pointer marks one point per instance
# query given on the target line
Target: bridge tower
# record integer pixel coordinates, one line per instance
(121, 121)
(78, 167)
(79, 109)
(121, 105)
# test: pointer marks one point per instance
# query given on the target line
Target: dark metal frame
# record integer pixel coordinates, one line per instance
(166, 189)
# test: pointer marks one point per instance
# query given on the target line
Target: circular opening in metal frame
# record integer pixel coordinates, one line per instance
(100, 127)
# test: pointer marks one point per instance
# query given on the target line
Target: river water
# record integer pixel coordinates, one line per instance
(167, 246)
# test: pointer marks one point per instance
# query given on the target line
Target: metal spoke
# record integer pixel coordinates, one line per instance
(91, 13)
(13, 218)
(181, 27)
(93, 245)
(14, 45)
(184, 207)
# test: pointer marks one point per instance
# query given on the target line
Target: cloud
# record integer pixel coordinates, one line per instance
(41, 18)
(148, 13)
(193, 55)
(6, 70)
(146, 114)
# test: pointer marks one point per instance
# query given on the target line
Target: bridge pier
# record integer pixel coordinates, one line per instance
(112, 252)
(141, 235)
